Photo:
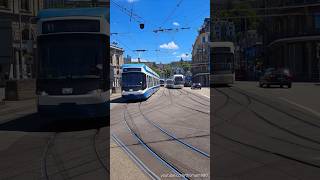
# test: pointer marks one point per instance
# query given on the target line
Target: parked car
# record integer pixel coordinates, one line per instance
(274, 76)
(196, 86)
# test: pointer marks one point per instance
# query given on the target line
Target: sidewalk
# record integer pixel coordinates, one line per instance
(122, 166)
(14, 109)
(115, 96)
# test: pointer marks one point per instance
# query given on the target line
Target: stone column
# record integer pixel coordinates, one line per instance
(23, 67)
(17, 66)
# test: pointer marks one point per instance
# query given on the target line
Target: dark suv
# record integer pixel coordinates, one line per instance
(274, 76)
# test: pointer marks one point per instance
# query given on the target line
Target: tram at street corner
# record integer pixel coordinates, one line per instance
(178, 80)
(72, 69)
(139, 82)
(222, 54)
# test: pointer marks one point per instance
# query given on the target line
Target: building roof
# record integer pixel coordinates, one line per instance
(94, 12)
(116, 47)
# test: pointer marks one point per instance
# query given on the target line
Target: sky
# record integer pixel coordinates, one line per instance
(162, 47)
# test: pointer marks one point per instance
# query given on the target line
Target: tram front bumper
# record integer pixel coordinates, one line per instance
(72, 110)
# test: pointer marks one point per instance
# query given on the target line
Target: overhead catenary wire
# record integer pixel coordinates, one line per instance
(172, 31)
(171, 13)
(130, 13)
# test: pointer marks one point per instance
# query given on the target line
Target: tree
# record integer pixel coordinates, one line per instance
(155, 69)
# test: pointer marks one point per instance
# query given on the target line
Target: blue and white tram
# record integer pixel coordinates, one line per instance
(178, 80)
(139, 82)
(72, 71)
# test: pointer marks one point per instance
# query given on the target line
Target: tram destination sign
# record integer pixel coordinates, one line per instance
(79, 25)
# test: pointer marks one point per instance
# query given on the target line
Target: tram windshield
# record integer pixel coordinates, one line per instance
(223, 61)
(71, 56)
(133, 80)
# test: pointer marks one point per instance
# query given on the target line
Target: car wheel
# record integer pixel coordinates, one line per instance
(268, 85)
(289, 85)
(261, 85)
(281, 85)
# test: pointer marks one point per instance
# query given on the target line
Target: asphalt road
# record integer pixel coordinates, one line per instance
(38, 147)
(169, 134)
(265, 133)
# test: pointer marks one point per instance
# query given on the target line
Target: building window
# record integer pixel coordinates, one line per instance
(25, 34)
(317, 21)
(4, 4)
(25, 5)
(117, 60)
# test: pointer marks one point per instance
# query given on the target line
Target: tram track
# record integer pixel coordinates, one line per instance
(261, 117)
(160, 159)
(171, 135)
(187, 107)
(137, 134)
(268, 136)
(136, 159)
(276, 108)
(59, 161)
(187, 94)
(161, 144)
(268, 151)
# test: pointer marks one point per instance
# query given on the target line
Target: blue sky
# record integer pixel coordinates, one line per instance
(161, 47)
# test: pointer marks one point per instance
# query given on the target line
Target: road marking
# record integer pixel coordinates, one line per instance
(197, 93)
(303, 107)
(205, 96)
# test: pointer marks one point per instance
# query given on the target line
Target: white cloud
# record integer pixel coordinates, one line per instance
(132, 1)
(174, 53)
(176, 24)
(170, 45)
(183, 55)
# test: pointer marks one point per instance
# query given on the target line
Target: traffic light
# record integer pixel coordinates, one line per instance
(141, 26)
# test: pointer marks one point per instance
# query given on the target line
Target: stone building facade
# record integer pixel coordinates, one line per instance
(116, 61)
(293, 39)
(201, 55)
(17, 34)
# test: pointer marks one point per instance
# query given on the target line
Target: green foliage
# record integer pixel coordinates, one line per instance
(186, 66)
(167, 70)
(155, 69)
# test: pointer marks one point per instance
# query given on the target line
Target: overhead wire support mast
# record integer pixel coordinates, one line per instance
(139, 51)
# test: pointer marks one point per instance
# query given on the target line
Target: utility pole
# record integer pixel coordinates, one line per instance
(139, 51)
